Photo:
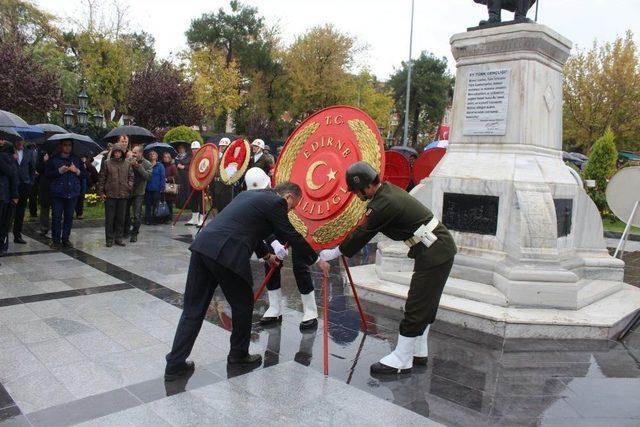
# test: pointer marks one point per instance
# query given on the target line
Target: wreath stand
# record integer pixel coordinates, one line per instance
(325, 306)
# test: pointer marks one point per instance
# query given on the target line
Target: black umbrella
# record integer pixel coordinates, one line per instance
(136, 134)
(406, 151)
(10, 134)
(10, 120)
(82, 144)
(160, 148)
(51, 129)
(176, 144)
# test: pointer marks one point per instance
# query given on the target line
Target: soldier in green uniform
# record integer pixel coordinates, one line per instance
(396, 214)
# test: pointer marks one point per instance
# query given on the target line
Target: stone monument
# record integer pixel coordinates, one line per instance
(532, 260)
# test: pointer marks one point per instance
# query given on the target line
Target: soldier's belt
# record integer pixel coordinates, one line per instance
(424, 234)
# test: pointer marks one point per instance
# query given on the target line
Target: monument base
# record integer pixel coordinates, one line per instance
(459, 305)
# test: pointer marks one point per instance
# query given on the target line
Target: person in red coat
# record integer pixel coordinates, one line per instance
(171, 177)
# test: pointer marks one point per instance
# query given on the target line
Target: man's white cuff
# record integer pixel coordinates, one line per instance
(330, 254)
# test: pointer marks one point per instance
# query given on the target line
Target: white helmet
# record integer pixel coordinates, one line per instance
(258, 143)
(195, 145)
(256, 179)
(224, 141)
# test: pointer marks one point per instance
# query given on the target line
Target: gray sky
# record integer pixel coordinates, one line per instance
(381, 25)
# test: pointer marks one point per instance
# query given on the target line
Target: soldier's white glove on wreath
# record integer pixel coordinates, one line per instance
(279, 249)
(329, 254)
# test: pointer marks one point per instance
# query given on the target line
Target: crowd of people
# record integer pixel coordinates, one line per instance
(136, 186)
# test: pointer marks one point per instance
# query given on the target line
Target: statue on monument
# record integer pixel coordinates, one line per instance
(519, 7)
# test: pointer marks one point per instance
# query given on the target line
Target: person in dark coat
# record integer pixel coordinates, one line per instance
(65, 172)
(182, 164)
(8, 192)
(221, 193)
(44, 193)
(220, 255)
(260, 159)
(155, 186)
(26, 173)
(171, 177)
(399, 216)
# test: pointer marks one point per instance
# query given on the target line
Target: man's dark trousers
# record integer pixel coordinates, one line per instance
(45, 210)
(33, 197)
(114, 213)
(24, 190)
(6, 215)
(59, 207)
(204, 275)
(133, 219)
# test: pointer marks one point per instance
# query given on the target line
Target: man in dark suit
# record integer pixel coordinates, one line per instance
(26, 173)
(220, 255)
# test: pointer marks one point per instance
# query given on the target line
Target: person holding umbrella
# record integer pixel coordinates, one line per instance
(115, 184)
(8, 192)
(64, 171)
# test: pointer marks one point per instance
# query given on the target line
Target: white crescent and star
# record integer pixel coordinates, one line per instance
(331, 175)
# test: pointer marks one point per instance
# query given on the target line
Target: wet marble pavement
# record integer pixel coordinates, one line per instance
(84, 331)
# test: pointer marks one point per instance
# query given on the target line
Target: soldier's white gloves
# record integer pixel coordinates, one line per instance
(279, 249)
(329, 254)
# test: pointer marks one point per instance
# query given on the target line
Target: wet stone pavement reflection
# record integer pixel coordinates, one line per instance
(84, 332)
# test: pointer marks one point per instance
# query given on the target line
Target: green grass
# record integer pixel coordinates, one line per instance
(90, 212)
(617, 226)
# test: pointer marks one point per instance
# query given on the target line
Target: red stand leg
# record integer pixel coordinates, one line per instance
(266, 279)
(183, 208)
(355, 293)
(260, 291)
(325, 336)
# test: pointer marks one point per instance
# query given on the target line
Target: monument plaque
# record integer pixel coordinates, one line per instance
(564, 210)
(470, 213)
(486, 103)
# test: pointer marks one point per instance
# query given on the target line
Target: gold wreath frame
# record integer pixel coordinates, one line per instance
(193, 173)
(224, 176)
(349, 218)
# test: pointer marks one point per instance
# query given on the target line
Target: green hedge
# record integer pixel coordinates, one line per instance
(183, 133)
(600, 167)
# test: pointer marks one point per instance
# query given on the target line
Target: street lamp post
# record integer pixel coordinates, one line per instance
(68, 118)
(82, 117)
(98, 119)
(405, 139)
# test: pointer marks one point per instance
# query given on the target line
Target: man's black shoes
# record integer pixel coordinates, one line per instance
(134, 238)
(308, 325)
(266, 321)
(109, 244)
(183, 370)
(120, 243)
(248, 360)
(66, 244)
(421, 361)
(382, 369)
(19, 240)
(56, 246)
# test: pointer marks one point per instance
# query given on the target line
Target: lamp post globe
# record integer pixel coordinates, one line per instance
(68, 118)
